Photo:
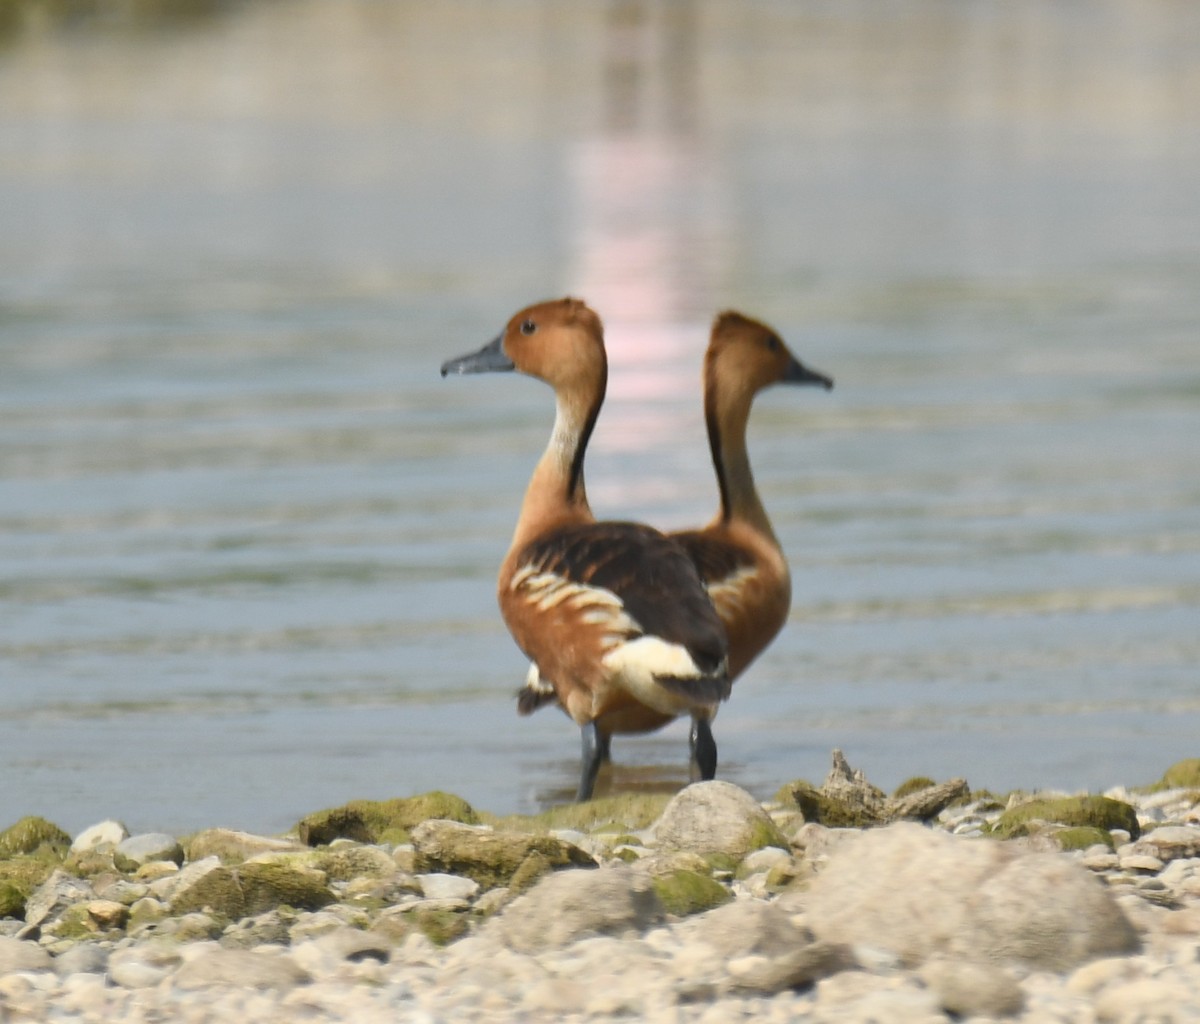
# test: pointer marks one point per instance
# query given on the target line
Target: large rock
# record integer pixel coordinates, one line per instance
(382, 821)
(54, 896)
(146, 848)
(716, 817)
(917, 893)
(1094, 811)
(489, 857)
(239, 968)
(1170, 842)
(18, 955)
(571, 905)
(103, 836)
(249, 889)
(233, 847)
(31, 835)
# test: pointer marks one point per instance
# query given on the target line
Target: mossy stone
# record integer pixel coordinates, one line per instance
(489, 857)
(530, 870)
(1182, 775)
(441, 927)
(1099, 812)
(23, 875)
(219, 892)
(31, 834)
(684, 892)
(619, 813)
(383, 821)
(12, 899)
(1083, 837)
(913, 785)
(825, 810)
(267, 885)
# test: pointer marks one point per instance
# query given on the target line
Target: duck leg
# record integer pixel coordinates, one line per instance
(595, 747)
(704, 749)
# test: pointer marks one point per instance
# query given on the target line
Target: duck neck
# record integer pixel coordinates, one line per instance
(556, 494)
(727, 417)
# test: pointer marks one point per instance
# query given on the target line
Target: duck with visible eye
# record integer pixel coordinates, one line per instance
(613, 614)
(737, 554)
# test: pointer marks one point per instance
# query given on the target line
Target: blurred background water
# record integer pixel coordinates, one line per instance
(248, 537)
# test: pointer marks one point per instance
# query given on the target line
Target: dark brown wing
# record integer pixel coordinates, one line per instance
(715, 562)
(651, 574)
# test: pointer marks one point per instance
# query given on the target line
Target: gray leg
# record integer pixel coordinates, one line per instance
(594, 747)
(704, 748)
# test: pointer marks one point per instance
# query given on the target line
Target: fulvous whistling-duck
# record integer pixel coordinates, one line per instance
(737, 554)
(613, 615)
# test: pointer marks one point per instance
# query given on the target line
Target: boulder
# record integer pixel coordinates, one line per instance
(918, 893)
(570, 905)
(239, 968)
(1170, 842)
(105, 835)
(130, 854)
(19, 955)
(716, 818)
(489, 857)
(31, 835)
(684, 892)
(382, 821)
(54, 896)
(1091, 811)
(233, 847)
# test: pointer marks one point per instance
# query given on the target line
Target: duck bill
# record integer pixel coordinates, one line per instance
(489, 359)
(798, 373)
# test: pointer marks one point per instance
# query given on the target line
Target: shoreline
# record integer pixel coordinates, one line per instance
(835, 901)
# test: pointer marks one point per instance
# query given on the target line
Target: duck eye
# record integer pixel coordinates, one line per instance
(773, 343)
(528, 327)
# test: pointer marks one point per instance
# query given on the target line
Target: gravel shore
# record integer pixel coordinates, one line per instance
(830, 903)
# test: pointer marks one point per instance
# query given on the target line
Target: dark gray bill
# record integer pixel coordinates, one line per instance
(489, 359)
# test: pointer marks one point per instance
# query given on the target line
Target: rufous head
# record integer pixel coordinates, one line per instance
(560, 341)
(746, 355)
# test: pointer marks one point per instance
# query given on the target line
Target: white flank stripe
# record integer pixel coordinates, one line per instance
(637, 663)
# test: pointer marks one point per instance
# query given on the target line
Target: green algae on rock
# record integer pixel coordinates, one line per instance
(490, 857)
(1082, 837)
(619, 813)
(33, 834)
(383, 821)
(1183, 774)
(684, 892)
(1099, 812)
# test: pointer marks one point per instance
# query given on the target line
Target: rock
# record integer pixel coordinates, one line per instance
(918, 893)
(107, 914)
(1099, 812)
(716, 818)
(1140, 862)
(241, 969)
(19, 955)
(347, 863)
(1170, 842)
(686, 892)
(616, 815)
(215, 889)
(55, 895)
(31, 835)
(1181, 775)
(12, 899)
(143, 965)
(1082, 837)
(82, 958)
(382, 821)
(135, 851)
(447, 887)
(967, 989)
(1144, 999)
(489, 857)
(233, 847)
(325, 954)
(266, 886)
(104, 835)
(847, 800)
(793, 969)
(569, 905)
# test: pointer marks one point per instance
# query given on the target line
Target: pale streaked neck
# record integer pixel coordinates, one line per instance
(556, 493)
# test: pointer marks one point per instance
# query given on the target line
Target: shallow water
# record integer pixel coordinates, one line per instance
(249, 537)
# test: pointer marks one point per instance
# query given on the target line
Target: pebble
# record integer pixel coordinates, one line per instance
(594, 945)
